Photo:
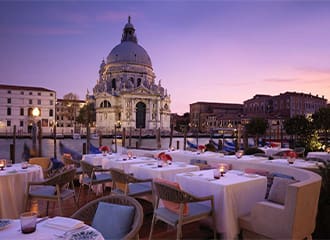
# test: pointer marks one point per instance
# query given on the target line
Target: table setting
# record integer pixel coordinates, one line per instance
(47, 228)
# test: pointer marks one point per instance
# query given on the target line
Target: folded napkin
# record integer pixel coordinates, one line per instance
(64, 223)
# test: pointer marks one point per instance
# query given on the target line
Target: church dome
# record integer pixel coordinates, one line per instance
(129, 51)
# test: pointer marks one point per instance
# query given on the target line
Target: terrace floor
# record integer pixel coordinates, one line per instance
(161, 231)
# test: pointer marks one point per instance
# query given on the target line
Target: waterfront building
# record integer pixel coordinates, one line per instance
(17, 103)
(280, 107)
(126, 93)
(67, 112)
(205, 116)
(285, 105)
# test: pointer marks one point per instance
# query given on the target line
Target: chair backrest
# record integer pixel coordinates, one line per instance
(87, 168)
(62, 178)
(87, 212)
(171, 193)
(120, 180)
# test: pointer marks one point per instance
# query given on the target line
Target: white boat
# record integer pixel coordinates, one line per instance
(76, 136)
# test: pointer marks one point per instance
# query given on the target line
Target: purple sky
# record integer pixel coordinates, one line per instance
(217, 51)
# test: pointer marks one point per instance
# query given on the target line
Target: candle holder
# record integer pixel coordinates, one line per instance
(2, 164)
(129, 155)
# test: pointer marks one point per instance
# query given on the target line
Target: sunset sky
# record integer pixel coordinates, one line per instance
(215, 51)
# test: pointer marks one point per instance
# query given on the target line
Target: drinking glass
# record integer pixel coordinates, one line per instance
(28, 222)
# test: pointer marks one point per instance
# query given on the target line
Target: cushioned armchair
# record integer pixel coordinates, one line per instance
(180, 207)
(113, 220)
(295, 219)
(127, 184)
(57, 189)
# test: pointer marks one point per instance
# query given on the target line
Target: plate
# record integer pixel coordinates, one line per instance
(84, 235)
(251, 175)
(4, 223)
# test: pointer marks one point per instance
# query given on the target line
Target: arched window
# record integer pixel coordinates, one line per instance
(105, 104)
(140, 115)
(113, 84)
(139, 82)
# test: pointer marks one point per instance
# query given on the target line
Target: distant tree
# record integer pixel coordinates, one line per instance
(321, 122)
(87, 114)
(72, 104)
(299, 128)
(257, 127)
(182, 123)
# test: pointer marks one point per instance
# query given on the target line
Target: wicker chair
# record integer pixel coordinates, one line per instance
(87, 212)
(123, 183)
(57, 189)
(45, 163)
(197, 211)
(93, 176)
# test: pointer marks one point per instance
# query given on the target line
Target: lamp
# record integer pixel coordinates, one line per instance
(35, 114)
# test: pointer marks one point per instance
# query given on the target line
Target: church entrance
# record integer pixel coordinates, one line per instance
(140, 115)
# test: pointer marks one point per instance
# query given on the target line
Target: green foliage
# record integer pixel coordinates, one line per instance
(87, 114)
(321, 122)
(257, 126)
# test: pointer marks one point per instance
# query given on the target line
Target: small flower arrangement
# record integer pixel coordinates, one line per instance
(291, 157)
(104, 149)
(201, 148)
(166, 158)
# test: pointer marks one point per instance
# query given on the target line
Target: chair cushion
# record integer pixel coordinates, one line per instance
(172, 206)
(278, 189)
(270, 178)
(195, 209)
(114, 221)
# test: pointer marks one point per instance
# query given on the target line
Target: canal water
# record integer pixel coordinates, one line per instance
(77, 144)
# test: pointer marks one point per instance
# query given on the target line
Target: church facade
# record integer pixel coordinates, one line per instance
(126, 94)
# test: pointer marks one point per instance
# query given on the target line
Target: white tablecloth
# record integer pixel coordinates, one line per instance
(43, 232)
(271, 151)
(322, 155)
(234, 195)
(150, 170)
(13, 183)
(116, 160)
(299, 163)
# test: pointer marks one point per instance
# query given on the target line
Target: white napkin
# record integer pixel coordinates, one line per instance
(64, 223)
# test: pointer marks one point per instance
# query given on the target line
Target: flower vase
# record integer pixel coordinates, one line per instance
(104, 153)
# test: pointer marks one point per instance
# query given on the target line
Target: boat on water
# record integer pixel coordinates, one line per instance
(76, 136)
(59, 135)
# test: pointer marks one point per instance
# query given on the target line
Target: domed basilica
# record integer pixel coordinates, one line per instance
(126, 91)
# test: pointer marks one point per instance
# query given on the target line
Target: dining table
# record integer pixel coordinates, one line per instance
(50, 229)
(120, 161)
(13, 184)
(298, 163)
(321, 155)
(160, 170)
(270, 151)
(235, 193)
